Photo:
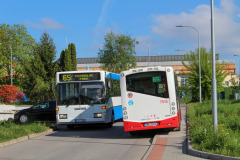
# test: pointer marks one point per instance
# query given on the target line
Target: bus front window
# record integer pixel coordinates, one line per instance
(80, 93)
(150, 83)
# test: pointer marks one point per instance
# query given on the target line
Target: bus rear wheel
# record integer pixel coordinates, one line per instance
(133, 133)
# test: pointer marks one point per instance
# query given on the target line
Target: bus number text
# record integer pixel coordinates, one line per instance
(163, 101)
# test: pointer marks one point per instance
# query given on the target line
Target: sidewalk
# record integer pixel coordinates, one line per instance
(171, 146)
(175, 146)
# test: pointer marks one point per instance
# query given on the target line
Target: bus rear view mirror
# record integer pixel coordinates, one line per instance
(109, 84)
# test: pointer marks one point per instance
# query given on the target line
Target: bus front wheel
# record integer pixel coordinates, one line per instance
(70, 126)
(110, 124)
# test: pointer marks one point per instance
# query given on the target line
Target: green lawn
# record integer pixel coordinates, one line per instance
(11, 130)
(226, 140)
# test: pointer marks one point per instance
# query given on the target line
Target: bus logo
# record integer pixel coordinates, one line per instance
(130, 95)
(130, 103)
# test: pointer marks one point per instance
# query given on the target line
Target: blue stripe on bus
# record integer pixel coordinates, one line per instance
(114, 76)
(117, 112)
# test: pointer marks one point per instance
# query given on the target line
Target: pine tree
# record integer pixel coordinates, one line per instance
(67, 61)
(40, 72)
(61, 60)
(72, 50)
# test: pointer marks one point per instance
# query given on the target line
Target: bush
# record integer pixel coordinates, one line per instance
(10, 94)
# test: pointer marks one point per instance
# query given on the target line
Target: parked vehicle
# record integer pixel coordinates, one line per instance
(43, 111)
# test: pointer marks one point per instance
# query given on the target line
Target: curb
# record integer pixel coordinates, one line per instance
(206, 155)
(25, 138)
(150, 148)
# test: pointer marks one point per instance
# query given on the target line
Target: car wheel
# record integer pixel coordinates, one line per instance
(23, 118)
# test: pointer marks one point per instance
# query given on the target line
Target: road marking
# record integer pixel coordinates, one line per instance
(158, 149)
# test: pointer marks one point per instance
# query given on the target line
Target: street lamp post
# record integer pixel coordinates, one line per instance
(11, 61)
(148, 54)
(214, 80)
(200, 88)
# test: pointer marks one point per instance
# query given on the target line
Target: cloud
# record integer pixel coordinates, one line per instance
(100, 28)
(227, 35)
(46, 23)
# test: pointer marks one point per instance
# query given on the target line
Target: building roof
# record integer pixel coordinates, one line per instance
(142, 64)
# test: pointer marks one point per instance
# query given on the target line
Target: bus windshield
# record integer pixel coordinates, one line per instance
(80, 93)
(150, 83)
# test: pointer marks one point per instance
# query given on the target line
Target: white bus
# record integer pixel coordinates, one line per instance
(150, 99)
(87, 97)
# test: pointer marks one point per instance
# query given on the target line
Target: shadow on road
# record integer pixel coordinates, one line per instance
(98, 132)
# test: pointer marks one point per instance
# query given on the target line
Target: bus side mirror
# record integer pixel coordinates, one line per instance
(51, 86)
(109, 84)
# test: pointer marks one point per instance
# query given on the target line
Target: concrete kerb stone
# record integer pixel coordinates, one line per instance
(201, 154)
(25, 138)
(150, 148)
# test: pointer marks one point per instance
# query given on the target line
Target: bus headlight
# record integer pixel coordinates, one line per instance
(97, 115)
(62, 116)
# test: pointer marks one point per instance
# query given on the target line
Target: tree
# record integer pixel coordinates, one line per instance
(206, 74)
(65, 61)
(22, 45)
(73, 53)
(40, 72)
(118, 52)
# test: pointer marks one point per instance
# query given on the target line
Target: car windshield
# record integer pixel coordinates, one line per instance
(80, 93)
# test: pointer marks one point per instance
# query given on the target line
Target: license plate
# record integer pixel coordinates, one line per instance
(150, 124)
(80, 120)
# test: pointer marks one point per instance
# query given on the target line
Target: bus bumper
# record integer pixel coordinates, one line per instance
(136, 126)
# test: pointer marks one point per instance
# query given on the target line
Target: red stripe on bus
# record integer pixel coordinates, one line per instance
(167, 123)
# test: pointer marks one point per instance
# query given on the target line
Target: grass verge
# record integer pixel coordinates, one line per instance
(226, 141)
(11, 130)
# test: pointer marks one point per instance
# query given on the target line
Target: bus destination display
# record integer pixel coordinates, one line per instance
(79, 76)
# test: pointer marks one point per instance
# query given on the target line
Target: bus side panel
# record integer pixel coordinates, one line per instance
(118, 113)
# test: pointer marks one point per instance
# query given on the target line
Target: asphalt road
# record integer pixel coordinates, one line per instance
(101, 143)
(84, 143)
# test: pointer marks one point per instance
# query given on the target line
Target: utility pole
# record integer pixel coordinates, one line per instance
(148, 54)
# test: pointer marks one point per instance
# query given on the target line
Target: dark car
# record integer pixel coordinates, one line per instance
(43, 111)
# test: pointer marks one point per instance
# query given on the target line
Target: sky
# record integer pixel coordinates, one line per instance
(152, 22)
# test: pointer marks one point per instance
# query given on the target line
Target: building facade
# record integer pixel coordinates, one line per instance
(174, 61)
